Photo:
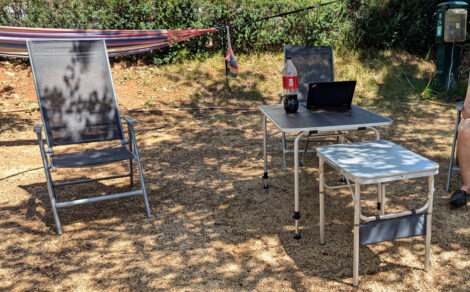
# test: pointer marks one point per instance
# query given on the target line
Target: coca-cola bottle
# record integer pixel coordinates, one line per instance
(289, 84)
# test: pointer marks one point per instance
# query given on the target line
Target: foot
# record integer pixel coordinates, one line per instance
(459, 198)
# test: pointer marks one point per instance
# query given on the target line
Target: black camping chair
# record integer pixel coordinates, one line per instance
(78, 105)
(313, 64)
(454, 163)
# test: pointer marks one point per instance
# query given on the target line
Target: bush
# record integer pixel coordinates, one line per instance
(381, 24)
(353, 23)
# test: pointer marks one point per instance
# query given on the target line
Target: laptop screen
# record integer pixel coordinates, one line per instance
(336, 95)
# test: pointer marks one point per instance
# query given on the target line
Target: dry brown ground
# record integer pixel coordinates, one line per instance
(214, 227)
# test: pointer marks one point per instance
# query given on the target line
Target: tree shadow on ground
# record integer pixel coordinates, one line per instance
(204, 231)
(221, 89)
(213, 225)
(13, 122)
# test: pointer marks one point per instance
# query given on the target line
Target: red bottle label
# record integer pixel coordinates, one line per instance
(289, 82)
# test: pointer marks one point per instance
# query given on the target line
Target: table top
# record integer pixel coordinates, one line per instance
(308, 120)
(376, 161)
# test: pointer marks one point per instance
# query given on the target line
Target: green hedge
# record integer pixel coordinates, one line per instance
(348, 24)
(394, 24)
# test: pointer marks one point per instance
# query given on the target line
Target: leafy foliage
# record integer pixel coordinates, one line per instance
(394, 24)
(347, 24)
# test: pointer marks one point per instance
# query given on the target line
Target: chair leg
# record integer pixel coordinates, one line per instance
(131, 169)
(131, 173)
(139, 165)
(50, 187)
(141, 173)
(452, 155)
(284, 151)
(142, 182)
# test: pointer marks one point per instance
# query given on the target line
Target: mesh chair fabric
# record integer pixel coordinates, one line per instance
(87, 158)
(75, 92)
(313, 64)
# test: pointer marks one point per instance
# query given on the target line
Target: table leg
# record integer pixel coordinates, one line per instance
(357, 214)
(428, 222)
(265, 156)
(322, 199)
(381, 198)
(284, 152)
(296, 184)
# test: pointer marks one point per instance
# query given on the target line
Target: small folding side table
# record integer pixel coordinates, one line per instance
(378, 162)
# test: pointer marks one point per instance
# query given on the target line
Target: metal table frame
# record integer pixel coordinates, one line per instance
(305, 121)
(426, 168)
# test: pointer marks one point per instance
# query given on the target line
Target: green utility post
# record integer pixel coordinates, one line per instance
(450, 35)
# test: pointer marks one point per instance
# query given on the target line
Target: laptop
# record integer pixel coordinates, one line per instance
(331, 96)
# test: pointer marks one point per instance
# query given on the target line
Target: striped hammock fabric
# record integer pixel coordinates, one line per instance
(118, 42)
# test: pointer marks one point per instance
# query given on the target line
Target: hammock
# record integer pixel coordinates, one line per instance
(118, 42)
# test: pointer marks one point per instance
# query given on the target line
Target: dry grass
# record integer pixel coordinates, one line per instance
(213, 225)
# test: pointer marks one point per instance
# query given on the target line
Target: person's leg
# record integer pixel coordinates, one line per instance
(463, 152)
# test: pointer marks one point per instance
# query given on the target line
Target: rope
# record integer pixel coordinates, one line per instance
(226, 28)
(278, 15)
(158, 109)
(18, 173)
(195, 108)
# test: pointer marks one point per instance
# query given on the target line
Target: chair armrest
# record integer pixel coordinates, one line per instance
(37, 129)
(130, 132)
(129, 120)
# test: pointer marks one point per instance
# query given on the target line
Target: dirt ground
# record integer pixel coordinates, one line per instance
(213, 226)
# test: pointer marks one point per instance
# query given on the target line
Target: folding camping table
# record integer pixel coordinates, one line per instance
(305, 121)
(377, 162)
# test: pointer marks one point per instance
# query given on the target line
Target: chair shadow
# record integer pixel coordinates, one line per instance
(39, 203)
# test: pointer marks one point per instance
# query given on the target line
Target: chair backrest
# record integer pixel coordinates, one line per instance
(75, 91)
(313, 64)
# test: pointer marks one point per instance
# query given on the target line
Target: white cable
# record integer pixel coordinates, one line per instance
(404, 74)
(451, 63)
